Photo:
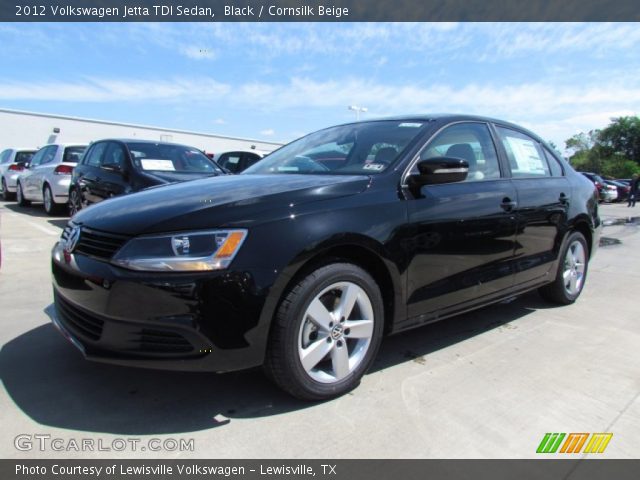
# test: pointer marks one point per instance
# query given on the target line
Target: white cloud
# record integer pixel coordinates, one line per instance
(110, 90)
(220, 121)
(554, 111)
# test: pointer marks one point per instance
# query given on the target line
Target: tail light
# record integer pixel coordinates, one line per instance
(63, 170)
(16, 168)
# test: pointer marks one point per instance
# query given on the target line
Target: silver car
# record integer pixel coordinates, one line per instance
(46, 178)
(12, 161)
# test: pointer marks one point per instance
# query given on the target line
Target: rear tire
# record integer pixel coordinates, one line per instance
(326, 333)
(6, 194)
(23, 202)
(75, 202)
(573, 265)
(50, 206)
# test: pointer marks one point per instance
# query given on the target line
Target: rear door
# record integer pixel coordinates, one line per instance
(86, 175)
(461, 236)
(26, 180)
(543, 198)
(113, 174)
(38, 172)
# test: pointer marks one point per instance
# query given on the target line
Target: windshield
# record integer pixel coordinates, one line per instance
(361, 148)
(164, 157)
(24, 156)
(73, 154)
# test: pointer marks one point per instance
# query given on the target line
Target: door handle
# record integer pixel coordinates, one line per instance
(563, 199)
(508, 204)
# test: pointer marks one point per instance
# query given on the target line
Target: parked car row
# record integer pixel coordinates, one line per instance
(74, 176)
(610, 190)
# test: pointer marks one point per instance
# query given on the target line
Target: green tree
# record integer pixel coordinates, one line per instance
(623, 137)
(613, 151)
(581, 142)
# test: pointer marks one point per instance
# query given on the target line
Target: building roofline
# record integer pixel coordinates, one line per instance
(134, 125)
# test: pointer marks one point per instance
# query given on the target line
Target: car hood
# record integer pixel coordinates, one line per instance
(225, 201)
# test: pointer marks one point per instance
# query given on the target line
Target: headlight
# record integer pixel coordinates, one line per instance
(181, 252)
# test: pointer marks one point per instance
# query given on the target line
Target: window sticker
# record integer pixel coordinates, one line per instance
(159, 165)
(374, 166)
(410, 125)
(526, 155)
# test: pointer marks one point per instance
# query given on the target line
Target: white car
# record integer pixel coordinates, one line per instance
(237, 160)
(12, 161)
(609, 193)
(47, 177)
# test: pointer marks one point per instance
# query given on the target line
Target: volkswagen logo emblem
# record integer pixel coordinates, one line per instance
(72, 240)
(337, 331)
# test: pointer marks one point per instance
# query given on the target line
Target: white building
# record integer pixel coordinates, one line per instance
(28, 129)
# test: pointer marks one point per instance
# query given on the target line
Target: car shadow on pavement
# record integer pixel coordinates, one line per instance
(50, 382)
(415, 344)
(37, 211)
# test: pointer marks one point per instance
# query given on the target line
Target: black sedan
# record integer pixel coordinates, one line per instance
(306, 260)
(115, 167)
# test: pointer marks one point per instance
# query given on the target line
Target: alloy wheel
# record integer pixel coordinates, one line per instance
(74, 203)
(48, 200)
(574, 268)
(336, 332)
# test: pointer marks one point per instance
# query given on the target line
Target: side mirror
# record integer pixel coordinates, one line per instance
(436, 170)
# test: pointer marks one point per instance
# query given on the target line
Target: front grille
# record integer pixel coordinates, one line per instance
(78, 322)
(95, 243)
(152, 340)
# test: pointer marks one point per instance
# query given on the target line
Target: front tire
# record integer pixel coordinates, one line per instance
(50, 205)
(326, 333)
(23, 202)
(75, 202)
(572, 272)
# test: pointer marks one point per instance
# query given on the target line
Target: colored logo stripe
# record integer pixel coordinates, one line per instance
(550, 443)
(574, 442)
(598, 442)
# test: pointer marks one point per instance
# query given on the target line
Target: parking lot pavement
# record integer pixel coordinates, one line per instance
(489, 383)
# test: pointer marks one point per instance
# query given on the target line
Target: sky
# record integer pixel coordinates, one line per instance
(279, 81)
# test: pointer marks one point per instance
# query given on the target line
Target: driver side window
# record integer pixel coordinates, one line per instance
(471, 142)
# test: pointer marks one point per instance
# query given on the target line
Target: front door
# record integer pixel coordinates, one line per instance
(461, 236)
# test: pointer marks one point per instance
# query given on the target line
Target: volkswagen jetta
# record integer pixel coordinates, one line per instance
(306, 260)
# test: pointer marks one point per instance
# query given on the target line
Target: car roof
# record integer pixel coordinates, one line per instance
(451, 117)
(139, 140)
(20, 149)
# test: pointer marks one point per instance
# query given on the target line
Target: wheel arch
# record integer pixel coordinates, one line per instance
(359, 250)
(583, 226)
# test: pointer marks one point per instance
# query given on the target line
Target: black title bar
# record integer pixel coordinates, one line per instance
(317, 10)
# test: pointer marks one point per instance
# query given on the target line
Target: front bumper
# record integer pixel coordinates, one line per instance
(206, 321)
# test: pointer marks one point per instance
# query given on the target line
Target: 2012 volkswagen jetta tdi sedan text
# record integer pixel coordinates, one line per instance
(307, 259)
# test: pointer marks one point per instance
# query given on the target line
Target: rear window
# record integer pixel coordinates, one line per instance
(161, 157)
(24, 156)
(73, 154)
